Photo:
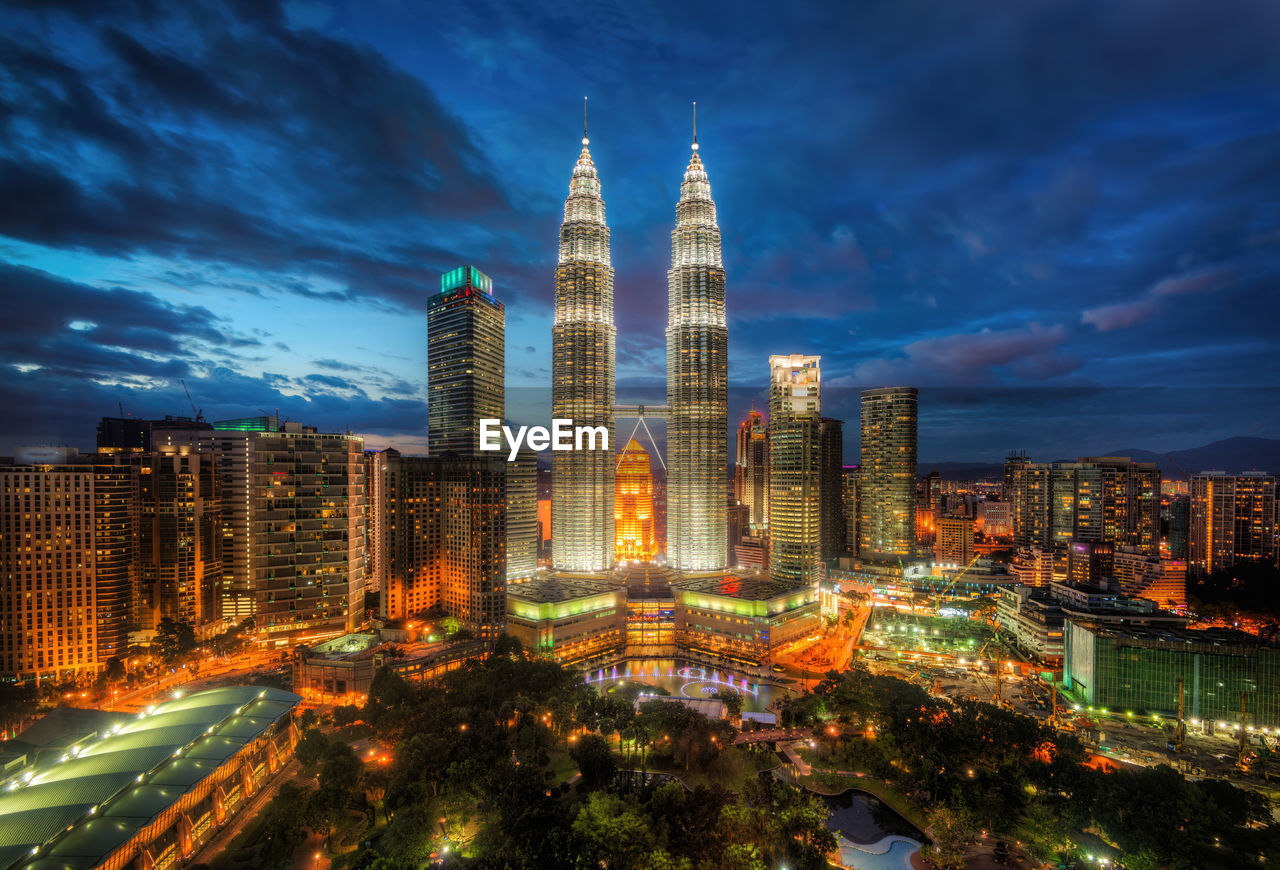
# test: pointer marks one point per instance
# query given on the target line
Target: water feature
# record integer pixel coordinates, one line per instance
(684, 679)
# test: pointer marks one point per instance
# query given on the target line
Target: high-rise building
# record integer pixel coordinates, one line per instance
(795, 467)
(466, 353)
(68, 562)
(739, 525)
(887, 487)
(1161, 580)
(583, 350)
(522, 516)
(293, 522)
(1179, 527)
(1090, 563)
(633, 506)
(1233, 519)
(996, 518)
(954, 540)
(851, 475)
(440, 537)
(751, 471)
(179, 536)
(831, 517)
(133, 435)
(697, 381)
(1110, 499)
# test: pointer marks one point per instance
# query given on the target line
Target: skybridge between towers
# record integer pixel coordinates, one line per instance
(639, 413)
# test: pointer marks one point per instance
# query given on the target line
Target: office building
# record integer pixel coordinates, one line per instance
(293, 522)
(697, 381)
(1090, 563)
(887, 488)
(954, 544)
(68, 563)
(522, 516)
(851, 474)
(583, 351)
(1138, 668)
(995, 519)
(1233, 520)
(751, 470)
(466, 360)
(1178, 538)
(179, 536)
(795, 467)
(441, 538)
(633, 506)
(832, 524)
(133, 435)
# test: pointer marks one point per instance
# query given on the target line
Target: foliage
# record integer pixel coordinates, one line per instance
(174, 639)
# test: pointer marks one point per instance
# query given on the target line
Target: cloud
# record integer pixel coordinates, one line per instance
(1119, 315)
(1029, 352)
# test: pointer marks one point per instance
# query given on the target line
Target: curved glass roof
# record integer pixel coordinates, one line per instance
(74, 810)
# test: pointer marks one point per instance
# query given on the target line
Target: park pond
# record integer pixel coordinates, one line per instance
(683, 679)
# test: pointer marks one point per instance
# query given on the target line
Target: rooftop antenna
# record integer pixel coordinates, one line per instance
(695, 125)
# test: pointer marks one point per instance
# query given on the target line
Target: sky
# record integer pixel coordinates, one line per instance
(1059, 219)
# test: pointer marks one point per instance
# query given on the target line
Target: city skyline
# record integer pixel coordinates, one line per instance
(1065, 264)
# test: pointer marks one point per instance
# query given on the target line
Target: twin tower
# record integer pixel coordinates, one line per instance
(583, 340)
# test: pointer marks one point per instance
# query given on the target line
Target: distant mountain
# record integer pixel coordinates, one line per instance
(1230, 454)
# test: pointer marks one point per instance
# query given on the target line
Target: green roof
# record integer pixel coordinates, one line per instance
(76, 808)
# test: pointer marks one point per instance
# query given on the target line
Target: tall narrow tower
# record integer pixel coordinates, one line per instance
(697, 381)
(583, 341)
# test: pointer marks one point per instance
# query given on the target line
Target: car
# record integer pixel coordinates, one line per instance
(777, 669)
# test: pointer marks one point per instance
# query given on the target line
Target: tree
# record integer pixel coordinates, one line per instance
(312, 749)
(345, 715)
(174, 639)
(595, 761)
(612, 834)
(952, 833)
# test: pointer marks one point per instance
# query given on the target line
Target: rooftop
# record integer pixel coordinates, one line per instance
(753, 587)
(557, 587)
(1173, 635)
(78, 807)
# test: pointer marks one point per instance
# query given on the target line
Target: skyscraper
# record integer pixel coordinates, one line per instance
(466, 329)
(954, 540)
(1233, 519)
(888, 482)
(522, 516)
(697, 381)
(67, 554)
(831, 518)
(633, 506)
(583, 349)
(751, 471)
(795, 466)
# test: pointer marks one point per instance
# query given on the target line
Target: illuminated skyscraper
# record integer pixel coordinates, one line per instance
(583, 340)
(633, 506)
(888, 484)
(751, 471)
(466, 329)
(795, 466)
(1233, 520)
(697, 381)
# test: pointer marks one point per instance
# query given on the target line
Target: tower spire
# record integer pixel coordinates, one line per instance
(585, 140)
(695, 125)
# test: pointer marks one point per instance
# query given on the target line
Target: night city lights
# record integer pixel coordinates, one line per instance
(371, 498)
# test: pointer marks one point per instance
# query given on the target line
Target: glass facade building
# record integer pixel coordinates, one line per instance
(466, 360)
(1131, 668)
(795, 467)
(887, 488)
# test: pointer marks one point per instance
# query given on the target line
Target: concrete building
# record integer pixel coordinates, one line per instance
(832, 523)
(851, 475)
(1157, 579)
(68, 564)
(341, 670)
(522, 516)
(954, 540)
(1233, 519)
(887, 488)
(995, 519)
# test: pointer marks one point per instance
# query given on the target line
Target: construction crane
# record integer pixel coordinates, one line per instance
(956, 579)
(200, 413)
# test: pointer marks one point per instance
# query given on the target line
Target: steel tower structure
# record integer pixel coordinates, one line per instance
(697, 380)
(583, 342)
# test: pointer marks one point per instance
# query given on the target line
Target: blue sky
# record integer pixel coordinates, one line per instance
(1061, 220)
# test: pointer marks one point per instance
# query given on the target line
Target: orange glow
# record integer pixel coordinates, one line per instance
(633, 506)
